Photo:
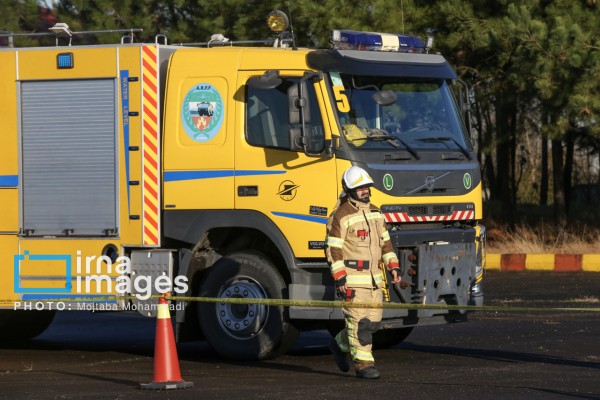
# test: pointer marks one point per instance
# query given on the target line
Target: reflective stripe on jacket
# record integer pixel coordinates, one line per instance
(357, 234)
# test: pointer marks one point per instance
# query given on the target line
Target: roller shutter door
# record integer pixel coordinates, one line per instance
(68, 138)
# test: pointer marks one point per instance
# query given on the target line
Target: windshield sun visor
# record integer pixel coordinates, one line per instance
(358, 62)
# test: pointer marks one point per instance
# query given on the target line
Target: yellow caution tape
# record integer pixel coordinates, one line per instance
(314, 303)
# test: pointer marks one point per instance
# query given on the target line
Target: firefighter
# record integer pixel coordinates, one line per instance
(357, 242)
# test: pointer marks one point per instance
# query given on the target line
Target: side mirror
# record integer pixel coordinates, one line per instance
(298, 104)
(305, 138)
(312, 144)
(466, 98)
(385, 97)
(296, 139)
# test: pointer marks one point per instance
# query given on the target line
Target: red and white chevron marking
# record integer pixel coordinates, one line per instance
(151, 143)
(404, 217)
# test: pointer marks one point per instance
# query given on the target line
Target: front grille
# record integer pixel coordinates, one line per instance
(417, 210)
(442, 209)
(431, 210)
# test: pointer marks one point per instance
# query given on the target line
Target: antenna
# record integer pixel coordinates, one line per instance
(292, 28)
(402, 10)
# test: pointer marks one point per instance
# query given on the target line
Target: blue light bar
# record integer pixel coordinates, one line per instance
(64, 60)
(374, 41)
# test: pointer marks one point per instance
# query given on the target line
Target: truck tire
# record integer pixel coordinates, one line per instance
(18, 325)
(245, 331)
(386, 338)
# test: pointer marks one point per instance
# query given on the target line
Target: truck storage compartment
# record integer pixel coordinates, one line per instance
(68, 153)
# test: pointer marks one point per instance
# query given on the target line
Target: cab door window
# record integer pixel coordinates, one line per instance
(267, 116)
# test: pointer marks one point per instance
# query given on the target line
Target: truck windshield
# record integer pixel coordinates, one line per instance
(411, 113)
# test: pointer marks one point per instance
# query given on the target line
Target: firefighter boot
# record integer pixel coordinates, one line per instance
(366, 370)
(341, 358)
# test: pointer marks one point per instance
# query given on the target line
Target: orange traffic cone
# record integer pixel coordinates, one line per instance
(166, 363)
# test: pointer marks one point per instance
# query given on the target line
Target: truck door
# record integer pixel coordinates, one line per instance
(294, 190)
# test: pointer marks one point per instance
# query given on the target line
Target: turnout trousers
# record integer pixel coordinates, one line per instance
(357, 338)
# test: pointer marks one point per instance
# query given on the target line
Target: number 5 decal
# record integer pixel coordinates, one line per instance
(341, 99)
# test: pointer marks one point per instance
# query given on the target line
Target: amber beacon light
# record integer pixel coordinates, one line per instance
(277, 21)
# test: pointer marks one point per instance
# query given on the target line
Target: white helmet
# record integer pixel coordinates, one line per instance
(355, 177)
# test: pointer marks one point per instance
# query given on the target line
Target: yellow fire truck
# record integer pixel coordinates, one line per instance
(135, 169)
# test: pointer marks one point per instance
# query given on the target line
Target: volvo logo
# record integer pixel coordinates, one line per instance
(429, 181)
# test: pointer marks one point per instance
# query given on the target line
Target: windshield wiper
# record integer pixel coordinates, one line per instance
(445, 139)
(380, 134)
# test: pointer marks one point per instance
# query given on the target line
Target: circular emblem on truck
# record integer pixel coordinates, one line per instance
(467, 181)
(287, 190)
(202, 112)
(388, 182)
(429, 183)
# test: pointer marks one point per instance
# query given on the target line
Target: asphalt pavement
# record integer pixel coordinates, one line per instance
(539, 354)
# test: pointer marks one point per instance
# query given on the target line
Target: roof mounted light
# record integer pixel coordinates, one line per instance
(277, 21)
(61, 29)
(217, 38)
(429, 43)
(336, 36)
(375, 41)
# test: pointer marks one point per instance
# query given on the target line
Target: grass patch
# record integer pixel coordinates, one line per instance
(586, 300)
(536, 233)
(543, 239)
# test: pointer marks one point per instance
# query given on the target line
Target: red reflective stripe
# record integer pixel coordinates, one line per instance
(349, 294)
(339, 275)
(404, 217)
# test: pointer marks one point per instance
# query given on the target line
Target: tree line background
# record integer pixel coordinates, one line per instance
(534, 66)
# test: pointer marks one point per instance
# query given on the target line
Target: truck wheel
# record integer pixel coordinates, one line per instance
(23, 325)
(387, 338)
(245, 331)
